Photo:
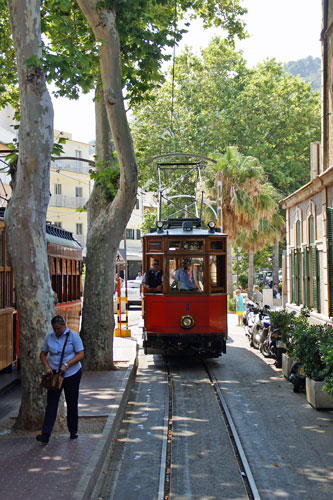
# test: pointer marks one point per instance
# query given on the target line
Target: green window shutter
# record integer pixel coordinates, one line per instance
(318, 279)
(305, 277)
(330, 258)
(308, 275)
(293, 281)
(298, 277)
(315, 274)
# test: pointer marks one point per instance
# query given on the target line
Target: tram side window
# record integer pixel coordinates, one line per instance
(1, 248)
(186, 274)
(217, 273)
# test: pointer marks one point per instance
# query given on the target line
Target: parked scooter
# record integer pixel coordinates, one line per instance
(260, 328)
(272, 346)
(297, 377)
(249, 319)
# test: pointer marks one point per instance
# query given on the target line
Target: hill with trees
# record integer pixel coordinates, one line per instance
(308, 68)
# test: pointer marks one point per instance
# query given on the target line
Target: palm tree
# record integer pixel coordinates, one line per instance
(247, 199)
(252, 240)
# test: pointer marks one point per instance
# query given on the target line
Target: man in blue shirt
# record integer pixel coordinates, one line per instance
(50, 357)
(184, 277)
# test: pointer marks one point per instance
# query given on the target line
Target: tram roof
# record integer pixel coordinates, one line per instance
(60, 236)
(54, 234)
(179, 231)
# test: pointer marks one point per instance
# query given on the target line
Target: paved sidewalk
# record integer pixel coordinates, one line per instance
(65, 468)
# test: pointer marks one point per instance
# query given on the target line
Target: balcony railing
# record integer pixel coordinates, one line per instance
(77, 166)
(59, 200)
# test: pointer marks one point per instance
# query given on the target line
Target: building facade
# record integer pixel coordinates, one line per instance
(309, 211)
(70, 187)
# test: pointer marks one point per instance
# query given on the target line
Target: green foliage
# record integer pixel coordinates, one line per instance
(58, 147)
(149, 221)
(231, 303)
(240, 262)
(146, 28)
(310, 343)
(243, 280)
(285, 322)
(218, 101)
(327, 357)
(106, 177)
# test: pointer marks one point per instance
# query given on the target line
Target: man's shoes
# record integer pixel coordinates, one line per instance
(43, 438)
(73, 435)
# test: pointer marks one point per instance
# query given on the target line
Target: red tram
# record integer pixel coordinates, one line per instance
(187, 312)
(186, 318)
(65, 264)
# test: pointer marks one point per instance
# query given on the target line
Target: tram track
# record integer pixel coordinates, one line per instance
(166, 457)
(246, 472)
(196, 444)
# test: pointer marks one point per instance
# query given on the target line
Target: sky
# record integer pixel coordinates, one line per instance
(285, 29)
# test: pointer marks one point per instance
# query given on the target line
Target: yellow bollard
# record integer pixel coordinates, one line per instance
(122, 332)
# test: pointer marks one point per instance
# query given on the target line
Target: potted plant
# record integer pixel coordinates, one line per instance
(327, 359)
(311, 347)
(284, 322)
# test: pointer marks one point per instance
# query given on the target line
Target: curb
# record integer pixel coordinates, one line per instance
(94, 469)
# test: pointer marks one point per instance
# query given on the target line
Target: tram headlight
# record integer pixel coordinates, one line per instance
(187, 321)
(211, 224)
(159, 225)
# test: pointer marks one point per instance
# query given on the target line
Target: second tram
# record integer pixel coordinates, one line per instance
(65, 265)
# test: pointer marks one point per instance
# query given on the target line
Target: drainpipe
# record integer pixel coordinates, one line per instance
(324, 101)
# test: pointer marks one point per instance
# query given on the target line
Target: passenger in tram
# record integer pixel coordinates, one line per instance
(184, 277)
(152, 281)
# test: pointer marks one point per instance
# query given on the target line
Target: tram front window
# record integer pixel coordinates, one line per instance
(217, 266)
(186, 274)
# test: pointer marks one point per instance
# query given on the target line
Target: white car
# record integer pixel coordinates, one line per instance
(133, 292)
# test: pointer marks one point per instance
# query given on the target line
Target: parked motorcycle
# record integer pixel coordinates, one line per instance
(260, 328)
(249, 319)
(297, 377)
(271, 345)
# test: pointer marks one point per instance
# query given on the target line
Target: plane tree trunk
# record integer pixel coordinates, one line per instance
(107, 219)
(26, 213)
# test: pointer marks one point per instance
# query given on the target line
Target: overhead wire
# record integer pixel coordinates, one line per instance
(172, 135)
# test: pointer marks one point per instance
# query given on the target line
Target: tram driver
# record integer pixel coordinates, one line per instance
(153, 280)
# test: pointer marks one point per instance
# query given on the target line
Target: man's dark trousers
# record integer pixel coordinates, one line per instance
(71, 389)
